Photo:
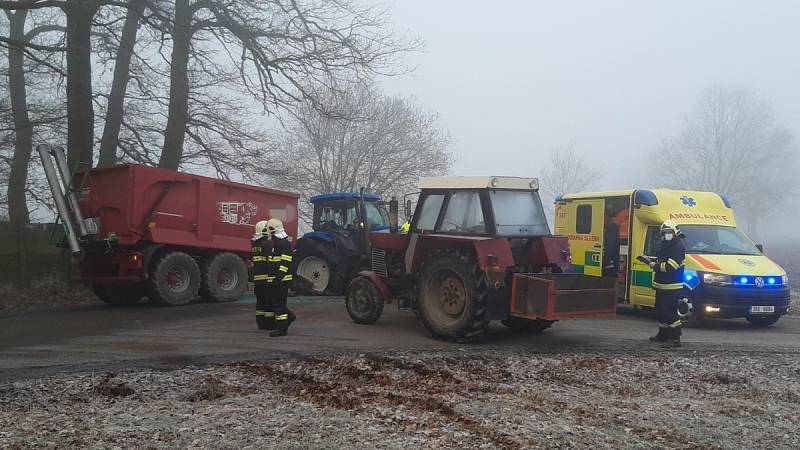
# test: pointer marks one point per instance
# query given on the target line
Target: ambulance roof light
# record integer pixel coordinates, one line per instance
(645, 198)
(725, 200)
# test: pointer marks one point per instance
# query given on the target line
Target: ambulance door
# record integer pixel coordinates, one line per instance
(586, 235)
(644, 241)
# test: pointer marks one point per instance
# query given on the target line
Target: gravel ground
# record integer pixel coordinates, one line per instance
(44, 293)
(454, 399)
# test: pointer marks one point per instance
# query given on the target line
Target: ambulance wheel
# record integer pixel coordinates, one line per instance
(118, 295)
(520, 325)
(174, 279)
(762, 321)
(224, 277)
(364, 302)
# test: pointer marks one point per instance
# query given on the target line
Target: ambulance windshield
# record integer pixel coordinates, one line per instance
(716, 240)
(519, 213)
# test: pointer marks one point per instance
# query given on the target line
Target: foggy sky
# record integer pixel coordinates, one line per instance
(512, 79)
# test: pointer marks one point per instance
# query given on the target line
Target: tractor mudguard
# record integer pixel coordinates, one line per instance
(379, 284)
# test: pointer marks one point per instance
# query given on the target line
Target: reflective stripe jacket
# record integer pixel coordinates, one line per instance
(281, 261)
(261, 252)
(668, 272)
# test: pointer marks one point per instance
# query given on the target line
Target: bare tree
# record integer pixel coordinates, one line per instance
(731, 144)
(278, 47)
(383, 144)
(566, 172)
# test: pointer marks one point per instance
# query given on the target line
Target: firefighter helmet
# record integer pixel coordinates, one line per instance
(669, 226)
(261, 229)
(275, 228)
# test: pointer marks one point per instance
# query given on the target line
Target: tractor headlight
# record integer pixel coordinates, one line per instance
(717, 279)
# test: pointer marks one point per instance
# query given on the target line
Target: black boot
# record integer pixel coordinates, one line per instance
(260, 320)
(661, 336)
(674, 338)
(269, 321)
(281, 325)
(292, 317)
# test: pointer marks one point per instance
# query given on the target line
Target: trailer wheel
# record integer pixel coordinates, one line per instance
(364, 302)
(224, 277)
(174, 279)
(520, 325)
(118, 295)
(452, 297)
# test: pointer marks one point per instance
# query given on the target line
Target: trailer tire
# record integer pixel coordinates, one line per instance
(118, 295)
(224, 277)
(452, 297)
(364, 302)
(530, 326)
(174, 279)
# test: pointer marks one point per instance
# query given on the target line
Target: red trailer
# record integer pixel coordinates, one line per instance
(171, 236)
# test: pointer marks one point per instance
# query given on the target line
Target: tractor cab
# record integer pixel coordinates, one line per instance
(330, 255)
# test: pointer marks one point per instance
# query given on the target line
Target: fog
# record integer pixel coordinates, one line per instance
(514, 79)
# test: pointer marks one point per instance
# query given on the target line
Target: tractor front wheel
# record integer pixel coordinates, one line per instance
(364, 302)
(452, 297)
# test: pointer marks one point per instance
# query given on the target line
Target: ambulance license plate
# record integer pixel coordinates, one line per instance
(762, 309)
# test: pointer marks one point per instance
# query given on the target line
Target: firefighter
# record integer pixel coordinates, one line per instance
(668, 283)
(261, 249)
(281, 269)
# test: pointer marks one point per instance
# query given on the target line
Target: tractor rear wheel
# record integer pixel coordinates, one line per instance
(174, 279)
(452, 297)
(224, 277)
(364, 302)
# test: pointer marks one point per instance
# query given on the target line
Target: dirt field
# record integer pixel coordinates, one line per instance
(443, 399)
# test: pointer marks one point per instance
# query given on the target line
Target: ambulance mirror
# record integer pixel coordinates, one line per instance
(760, 247)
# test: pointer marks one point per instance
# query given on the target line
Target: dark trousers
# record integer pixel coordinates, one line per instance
(667, 308)
(279, 294)
(265, 310)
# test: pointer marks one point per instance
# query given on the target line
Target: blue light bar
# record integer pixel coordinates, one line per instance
(771, 280)
(743, 280)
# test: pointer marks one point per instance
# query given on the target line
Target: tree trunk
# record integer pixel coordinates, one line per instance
(119, 86)
(179, 88)
(80, 112)
(23, 130)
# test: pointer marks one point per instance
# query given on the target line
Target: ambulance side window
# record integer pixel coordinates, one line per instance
(651, 241)
(583, 220)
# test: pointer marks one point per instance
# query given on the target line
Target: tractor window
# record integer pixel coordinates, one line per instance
(519, 213)
(583, 222)
(377, 217)
(464, 214)
(429, 212)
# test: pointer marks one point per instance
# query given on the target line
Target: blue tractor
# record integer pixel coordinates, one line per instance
(338, 248)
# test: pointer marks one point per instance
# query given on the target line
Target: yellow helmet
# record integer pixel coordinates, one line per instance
(670, 225)
(261, 229)
(275, 228)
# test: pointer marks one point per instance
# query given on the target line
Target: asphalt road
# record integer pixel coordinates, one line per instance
(103, 338)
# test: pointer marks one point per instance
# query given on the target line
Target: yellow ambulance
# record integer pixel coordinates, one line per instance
(727, 275)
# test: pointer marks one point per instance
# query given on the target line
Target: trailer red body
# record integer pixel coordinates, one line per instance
(145, 215)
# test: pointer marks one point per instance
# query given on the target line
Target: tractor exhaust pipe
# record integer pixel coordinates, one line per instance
(58, 197)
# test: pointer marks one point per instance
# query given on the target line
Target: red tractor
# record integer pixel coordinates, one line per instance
(478, 249)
